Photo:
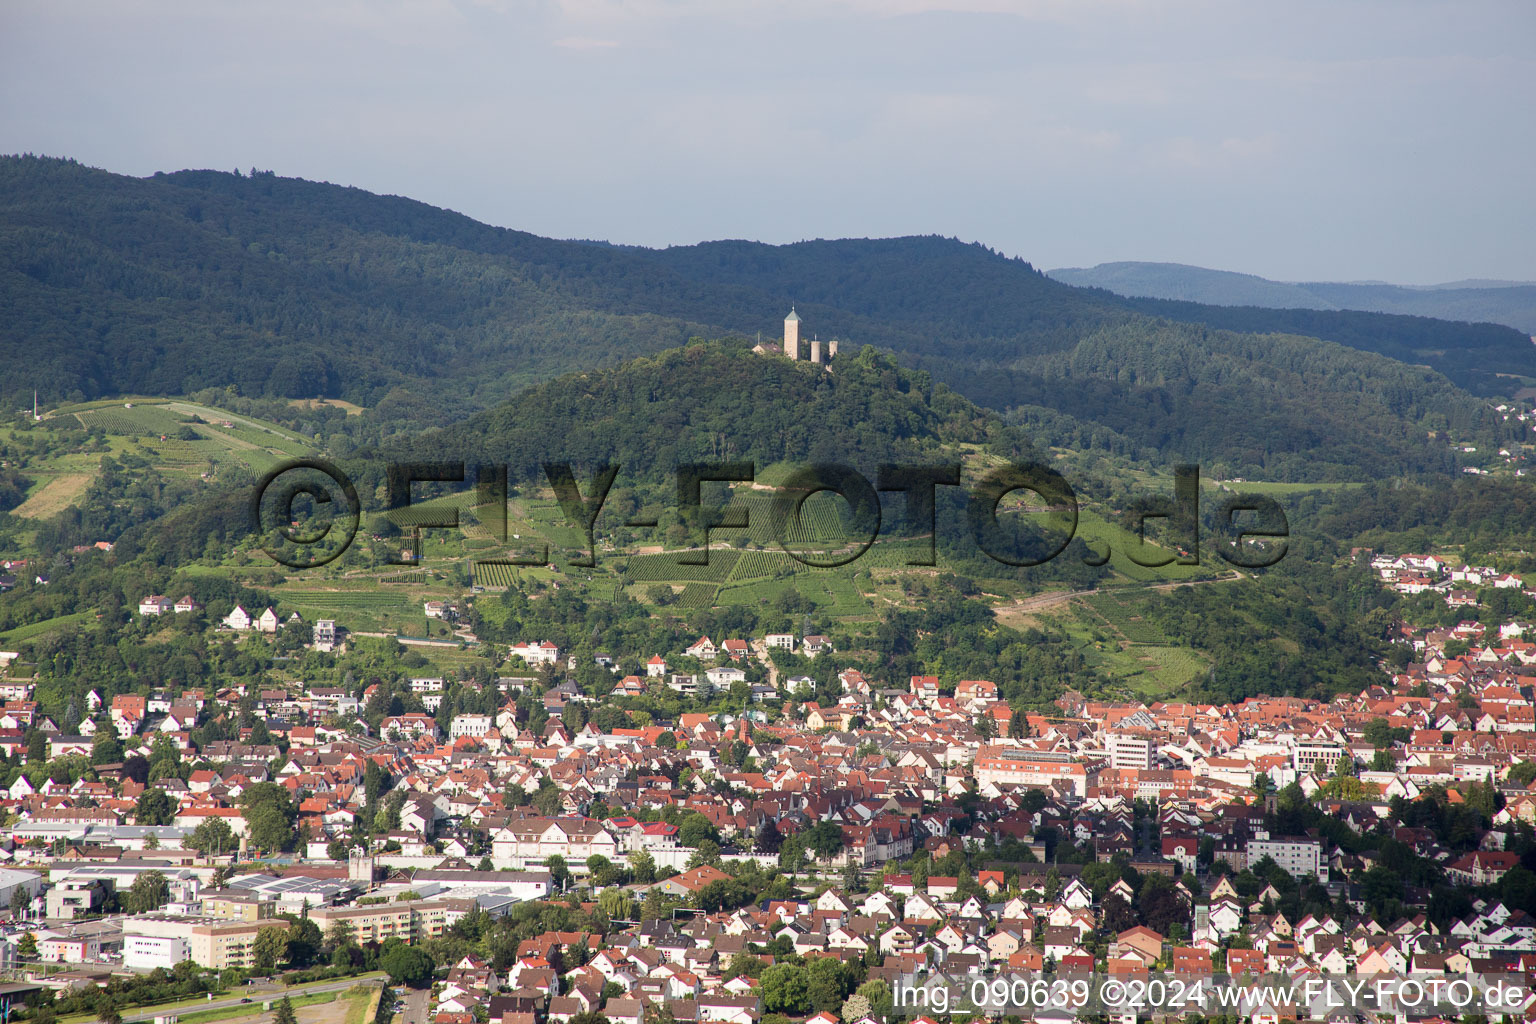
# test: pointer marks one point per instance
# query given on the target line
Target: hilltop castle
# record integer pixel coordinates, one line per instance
(818, 352)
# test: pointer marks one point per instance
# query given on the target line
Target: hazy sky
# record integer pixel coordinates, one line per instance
(1341, 139)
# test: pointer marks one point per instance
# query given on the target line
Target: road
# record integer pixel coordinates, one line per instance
(416, 1006)
(257, 995)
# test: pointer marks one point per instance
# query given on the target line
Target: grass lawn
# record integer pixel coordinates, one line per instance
(358, 994)
(54, 495)
(254, 1007)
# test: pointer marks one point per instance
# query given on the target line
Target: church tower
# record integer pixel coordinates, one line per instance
(792, 334)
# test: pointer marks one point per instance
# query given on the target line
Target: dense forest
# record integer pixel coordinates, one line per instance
(961, 293)
(1305, 628)
(1484, 516)
(277, 288)
(718, 401)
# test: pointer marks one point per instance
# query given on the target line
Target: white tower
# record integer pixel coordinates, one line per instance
(831, 350)
(792, 334)
(816, 351)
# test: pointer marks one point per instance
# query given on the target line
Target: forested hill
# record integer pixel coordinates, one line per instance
(719, 401)
(960, 295)
(1311, 415)
(288, 288)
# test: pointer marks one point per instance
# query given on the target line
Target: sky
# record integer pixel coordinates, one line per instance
(1296, 139)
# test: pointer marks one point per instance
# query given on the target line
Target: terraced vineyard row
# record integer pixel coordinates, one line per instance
(415, 515)
(761, 565)
(697, 595)
(491, 574)
(666, 568)
(136, 422)
(1123, 618)
(176, 453)
(819, 522)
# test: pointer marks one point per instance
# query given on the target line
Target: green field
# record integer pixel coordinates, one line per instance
(34, 630)
(1119, 641)
(148, 429)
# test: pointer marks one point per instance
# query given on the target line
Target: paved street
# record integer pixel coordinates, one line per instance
(416, 1006)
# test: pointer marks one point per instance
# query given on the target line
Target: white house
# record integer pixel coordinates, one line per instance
(325, 635)
(723, 676)
(474, 726)
(541, 653)
(155, 604)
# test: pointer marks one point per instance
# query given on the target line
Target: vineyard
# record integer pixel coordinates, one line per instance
(494, 574)
(1122, 616)
(665, 568)
(1173, 667)
(477, 531)
(547, 518)
(697, 595)
(174, 453)
(894, 554)
(418, 515)
(762, 565)
(138, 421)
(1099, 533)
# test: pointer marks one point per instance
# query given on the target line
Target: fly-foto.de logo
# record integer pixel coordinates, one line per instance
(1019, 514)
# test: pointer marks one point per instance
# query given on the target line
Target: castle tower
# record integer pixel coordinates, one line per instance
(831, 350)
(816, 351)
(792, 334)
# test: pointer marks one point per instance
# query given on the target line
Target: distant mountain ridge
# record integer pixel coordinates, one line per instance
(1510, 303)
(289, 288)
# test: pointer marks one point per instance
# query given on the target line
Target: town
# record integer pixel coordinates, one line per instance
(514, 849)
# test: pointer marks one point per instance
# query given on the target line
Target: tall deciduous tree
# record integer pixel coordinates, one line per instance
(150, 891)
(269, 949)
(213, 836)
(154, 807)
